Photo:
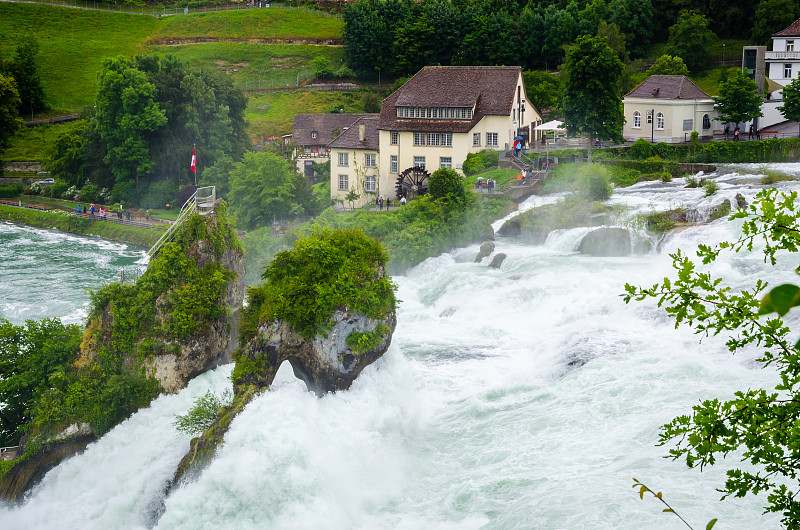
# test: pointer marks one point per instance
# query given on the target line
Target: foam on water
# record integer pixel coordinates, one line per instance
(524, 397)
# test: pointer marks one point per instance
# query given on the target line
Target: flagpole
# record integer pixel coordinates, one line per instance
(194, 146)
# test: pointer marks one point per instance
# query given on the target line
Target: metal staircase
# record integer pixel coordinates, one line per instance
(201, 201)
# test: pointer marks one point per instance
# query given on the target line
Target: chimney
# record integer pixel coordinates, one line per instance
(361, 132)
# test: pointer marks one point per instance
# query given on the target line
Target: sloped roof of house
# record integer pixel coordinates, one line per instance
(667, 87)
(349, 139)
(791, 31)
(489, 90)
(323, 125)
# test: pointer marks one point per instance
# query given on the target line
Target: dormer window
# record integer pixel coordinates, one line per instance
(313, 134)
(789, 45)
(435, 113)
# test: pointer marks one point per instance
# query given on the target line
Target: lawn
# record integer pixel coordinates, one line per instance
(261, 66)
(272, 113)
(74, 42)
(30, 144)
(501, 176)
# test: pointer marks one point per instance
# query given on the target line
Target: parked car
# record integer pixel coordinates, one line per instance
(46, 181)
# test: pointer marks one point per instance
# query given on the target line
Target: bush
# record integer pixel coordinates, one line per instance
(58, 189)
(445, 183)
(692, 182)
(11, 190)
(90, 193)
(771, 177)
(641, 149)
(159, 194)
(477, 162)
(322, 67)
(711, 187)
(203, 412)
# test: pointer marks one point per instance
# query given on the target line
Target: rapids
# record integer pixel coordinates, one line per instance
(525, 397)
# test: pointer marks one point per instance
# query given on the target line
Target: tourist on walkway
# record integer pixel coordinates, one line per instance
(736, 134)
(403, 200)
(750, 132)
(381, 206)
(377, 201)
(519, 179)
(388, 203)
(480, 185)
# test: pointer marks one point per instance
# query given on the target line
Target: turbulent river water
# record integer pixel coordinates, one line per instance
(525, 397)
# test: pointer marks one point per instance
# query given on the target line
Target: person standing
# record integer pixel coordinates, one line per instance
(480, 185)
(403, 200)
(377, 201)
(736, 134)
(381, 207)
(519, 179)
(388, 203)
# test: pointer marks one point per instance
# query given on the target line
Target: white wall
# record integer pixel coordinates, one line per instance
(675, 112)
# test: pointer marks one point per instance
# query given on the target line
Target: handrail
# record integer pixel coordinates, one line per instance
(207, 195)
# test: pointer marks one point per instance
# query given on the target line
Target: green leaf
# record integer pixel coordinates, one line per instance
(780, 299)
(711, 524)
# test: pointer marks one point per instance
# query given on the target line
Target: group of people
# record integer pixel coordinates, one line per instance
(489, 185)
(523, 176)
(752, 133)
(380, 202)
(91, 210)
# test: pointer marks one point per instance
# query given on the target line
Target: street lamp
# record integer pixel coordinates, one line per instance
(723, 54)
(652, 115)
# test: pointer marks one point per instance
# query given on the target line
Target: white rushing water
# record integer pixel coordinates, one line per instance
(525, 397)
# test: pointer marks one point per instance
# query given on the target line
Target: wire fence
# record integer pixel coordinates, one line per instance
(161, 10)
(274, 82)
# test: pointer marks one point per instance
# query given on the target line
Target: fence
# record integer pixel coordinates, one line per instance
(159, 11)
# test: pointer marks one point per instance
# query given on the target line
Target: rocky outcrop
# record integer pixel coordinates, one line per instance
(497, 260)
(487, 247)
(741, 202)
(533, 226)
(606, 242)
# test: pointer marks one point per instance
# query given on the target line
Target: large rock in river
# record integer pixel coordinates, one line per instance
(606, 242)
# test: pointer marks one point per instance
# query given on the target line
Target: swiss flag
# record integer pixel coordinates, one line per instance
(193, 167)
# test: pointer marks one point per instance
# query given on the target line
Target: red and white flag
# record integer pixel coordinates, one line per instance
(193, 166)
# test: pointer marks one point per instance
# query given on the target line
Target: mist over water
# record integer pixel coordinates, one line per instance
(525, 397)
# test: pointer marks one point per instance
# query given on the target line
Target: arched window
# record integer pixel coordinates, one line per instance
(660, 121)
(706, 122)
(637, 120)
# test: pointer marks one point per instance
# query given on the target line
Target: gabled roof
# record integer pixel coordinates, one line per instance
(323, 125)
(490, 90)
(667, 87)
(791, 31)
(349, 139)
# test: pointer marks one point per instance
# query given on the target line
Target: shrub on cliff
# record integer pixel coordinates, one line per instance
(325, 270)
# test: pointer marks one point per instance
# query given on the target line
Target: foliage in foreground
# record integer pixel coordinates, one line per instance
(325, 270)
(203, 412)
(760, 427)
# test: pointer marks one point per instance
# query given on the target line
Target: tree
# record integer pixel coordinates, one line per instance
(9, 111)
(262, 190)
(24, 68)
(542, 89)
(791, 101)
(127, 110)
(772, 16)
(738, 100)
(634, 18)
(65, 156)
(30, 355)
(690, 38)
(591, 104)
(668, 65)
(218, 175)
(445, 183)
(614, 38)
(757, 426)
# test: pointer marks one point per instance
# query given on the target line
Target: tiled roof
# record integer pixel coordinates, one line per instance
(349, 139)
(322, 124)
(489, 89)
(667, 87)
(791, 31)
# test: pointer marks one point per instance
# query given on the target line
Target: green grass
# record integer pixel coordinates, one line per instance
(501, 176)
(74, 42)
(30, 144)
(272, 113)
(260, 65)
(255, 23)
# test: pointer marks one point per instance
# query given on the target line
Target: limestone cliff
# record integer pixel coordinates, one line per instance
(175, 322)
(327, 308)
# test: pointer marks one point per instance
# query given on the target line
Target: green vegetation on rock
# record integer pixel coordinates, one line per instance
(361, 342)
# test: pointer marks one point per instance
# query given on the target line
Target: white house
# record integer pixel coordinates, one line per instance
(311, 134)
(667, 108)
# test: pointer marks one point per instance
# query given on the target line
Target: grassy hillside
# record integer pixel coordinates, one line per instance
(74, 41)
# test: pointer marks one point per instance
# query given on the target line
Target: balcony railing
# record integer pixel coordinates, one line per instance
(775, 56)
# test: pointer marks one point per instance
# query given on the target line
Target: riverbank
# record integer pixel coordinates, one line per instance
(144, 237)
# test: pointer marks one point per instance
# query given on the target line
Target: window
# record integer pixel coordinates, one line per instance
(343, 183)
(476, 139)
(394, 137)
(637, 120)
(369, 184)
(342, 159)
(433, 138)
(419, 138)
(491, 139)
(787, 71)
(447, 139)
(706, 122)
(649, 116)
(446, 161)
(660, 121)
(306, 149)
(313, 134)
(369, 160)
(789, 45)
(393, 164)
(419, 161)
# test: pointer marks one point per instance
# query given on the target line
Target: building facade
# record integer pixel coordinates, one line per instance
(311, 134)
(354, 164)
(667, 108)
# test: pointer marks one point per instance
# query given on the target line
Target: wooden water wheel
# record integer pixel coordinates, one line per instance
(412, 182)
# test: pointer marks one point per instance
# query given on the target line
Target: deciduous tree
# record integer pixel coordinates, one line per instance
(9, 111)
(668, 65)
(771, 17)
(791, 101)
(591, 104)
(738, 100)
(690, 38)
